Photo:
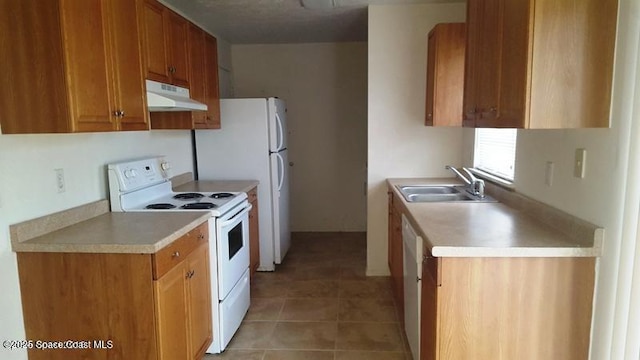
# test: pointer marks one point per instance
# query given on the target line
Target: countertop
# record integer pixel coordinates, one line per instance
(218, 185)
(495, 229)
(133, 232)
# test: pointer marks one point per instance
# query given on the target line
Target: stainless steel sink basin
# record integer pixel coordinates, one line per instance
(440, 193)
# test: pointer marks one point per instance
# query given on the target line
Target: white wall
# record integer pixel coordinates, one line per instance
(325, 88)
(28, 190)
(399, 143)
(600, 196)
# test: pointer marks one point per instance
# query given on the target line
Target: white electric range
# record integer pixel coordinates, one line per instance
(144, 185)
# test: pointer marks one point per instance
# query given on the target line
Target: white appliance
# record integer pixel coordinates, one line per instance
(252, 144)
(412, 270)
(166, 97)
(144, 185)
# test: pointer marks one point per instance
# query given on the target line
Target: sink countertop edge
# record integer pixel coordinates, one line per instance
(541, 240)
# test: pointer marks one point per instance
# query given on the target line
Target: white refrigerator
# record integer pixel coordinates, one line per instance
(252, 145)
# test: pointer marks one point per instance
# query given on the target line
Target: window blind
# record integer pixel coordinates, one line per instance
(495, 152)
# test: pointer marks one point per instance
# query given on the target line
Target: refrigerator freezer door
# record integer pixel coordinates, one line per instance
(280, 208)
(277, 125)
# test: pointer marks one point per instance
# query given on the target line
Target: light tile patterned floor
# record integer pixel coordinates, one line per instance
(319, 305)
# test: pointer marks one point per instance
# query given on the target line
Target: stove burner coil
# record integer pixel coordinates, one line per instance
(160, 206)
(221, 195)
(198, 206)
(188, 196)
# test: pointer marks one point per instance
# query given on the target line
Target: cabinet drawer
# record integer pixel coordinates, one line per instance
(253, 195)
(174, 253)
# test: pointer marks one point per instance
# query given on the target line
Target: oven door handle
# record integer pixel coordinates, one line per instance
(237, 215)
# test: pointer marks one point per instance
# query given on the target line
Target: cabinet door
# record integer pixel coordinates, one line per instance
(127, 63)
(488, 62)
(154, 35)
(197, 73)
(396, 268)
(254, 237)
(171, 314)
(90, 86)
(199, 284)
(469, 99)
(178, 49)
(445, 74)
(211, 82)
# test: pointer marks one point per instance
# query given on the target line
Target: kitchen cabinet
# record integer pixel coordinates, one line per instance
(254, 232)
(149, 306)
(395, 254)
(203, 60)
(506, 308)
(212, 90)
(445, 75)
(166, 46)
(76, 66)
(182, 302)
(539, 63)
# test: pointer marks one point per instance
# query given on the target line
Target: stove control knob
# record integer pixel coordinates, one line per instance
(165, 166)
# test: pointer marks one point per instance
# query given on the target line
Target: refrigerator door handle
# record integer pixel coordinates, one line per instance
(280, 133)
(281, 172)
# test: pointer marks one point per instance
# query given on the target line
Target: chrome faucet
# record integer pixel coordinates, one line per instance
(476, 186)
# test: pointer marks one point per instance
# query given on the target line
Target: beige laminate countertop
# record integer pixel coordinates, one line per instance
(218, 185)
(133, 233)
(489, 229)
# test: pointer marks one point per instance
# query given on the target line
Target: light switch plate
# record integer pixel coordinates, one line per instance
(548, 173)
(579, 163)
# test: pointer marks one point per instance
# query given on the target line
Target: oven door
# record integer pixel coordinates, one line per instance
(232, 230)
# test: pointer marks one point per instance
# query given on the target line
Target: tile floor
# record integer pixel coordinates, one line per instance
(319, 305)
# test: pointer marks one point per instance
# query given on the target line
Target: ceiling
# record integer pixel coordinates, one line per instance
(282, 21)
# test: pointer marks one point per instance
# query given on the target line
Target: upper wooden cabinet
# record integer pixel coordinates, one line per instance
(74, 66)
(212, 92)
(166, 46)
(445, 75)
(203, 80)
(539, 63)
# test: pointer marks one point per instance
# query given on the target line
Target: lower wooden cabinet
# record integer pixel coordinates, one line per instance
(120, 306)
(395, 254)
(506, 308)
(183, 300)
(254, 232)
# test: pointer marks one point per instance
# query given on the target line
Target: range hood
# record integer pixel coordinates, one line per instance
(165, 97)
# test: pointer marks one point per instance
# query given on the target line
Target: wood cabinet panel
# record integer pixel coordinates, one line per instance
(507, 308)
(178, 49)
(212, 91)
(445, 75)
(172, 314)
(89, 81)
(197, 73)
(396, 255)
(127, 63)
(155, 43)
(71, 296)
(539, 63)
(199, 301)
(254, 232)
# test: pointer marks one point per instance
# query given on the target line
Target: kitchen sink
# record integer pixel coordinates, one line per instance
(440, 193)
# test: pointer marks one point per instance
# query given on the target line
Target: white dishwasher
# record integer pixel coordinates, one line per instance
(412, 270)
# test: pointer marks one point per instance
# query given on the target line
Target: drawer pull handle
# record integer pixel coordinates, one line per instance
(175, 254)
(190, 274)
(200, 236)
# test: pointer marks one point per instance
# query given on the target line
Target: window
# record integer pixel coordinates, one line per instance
(495, 152)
